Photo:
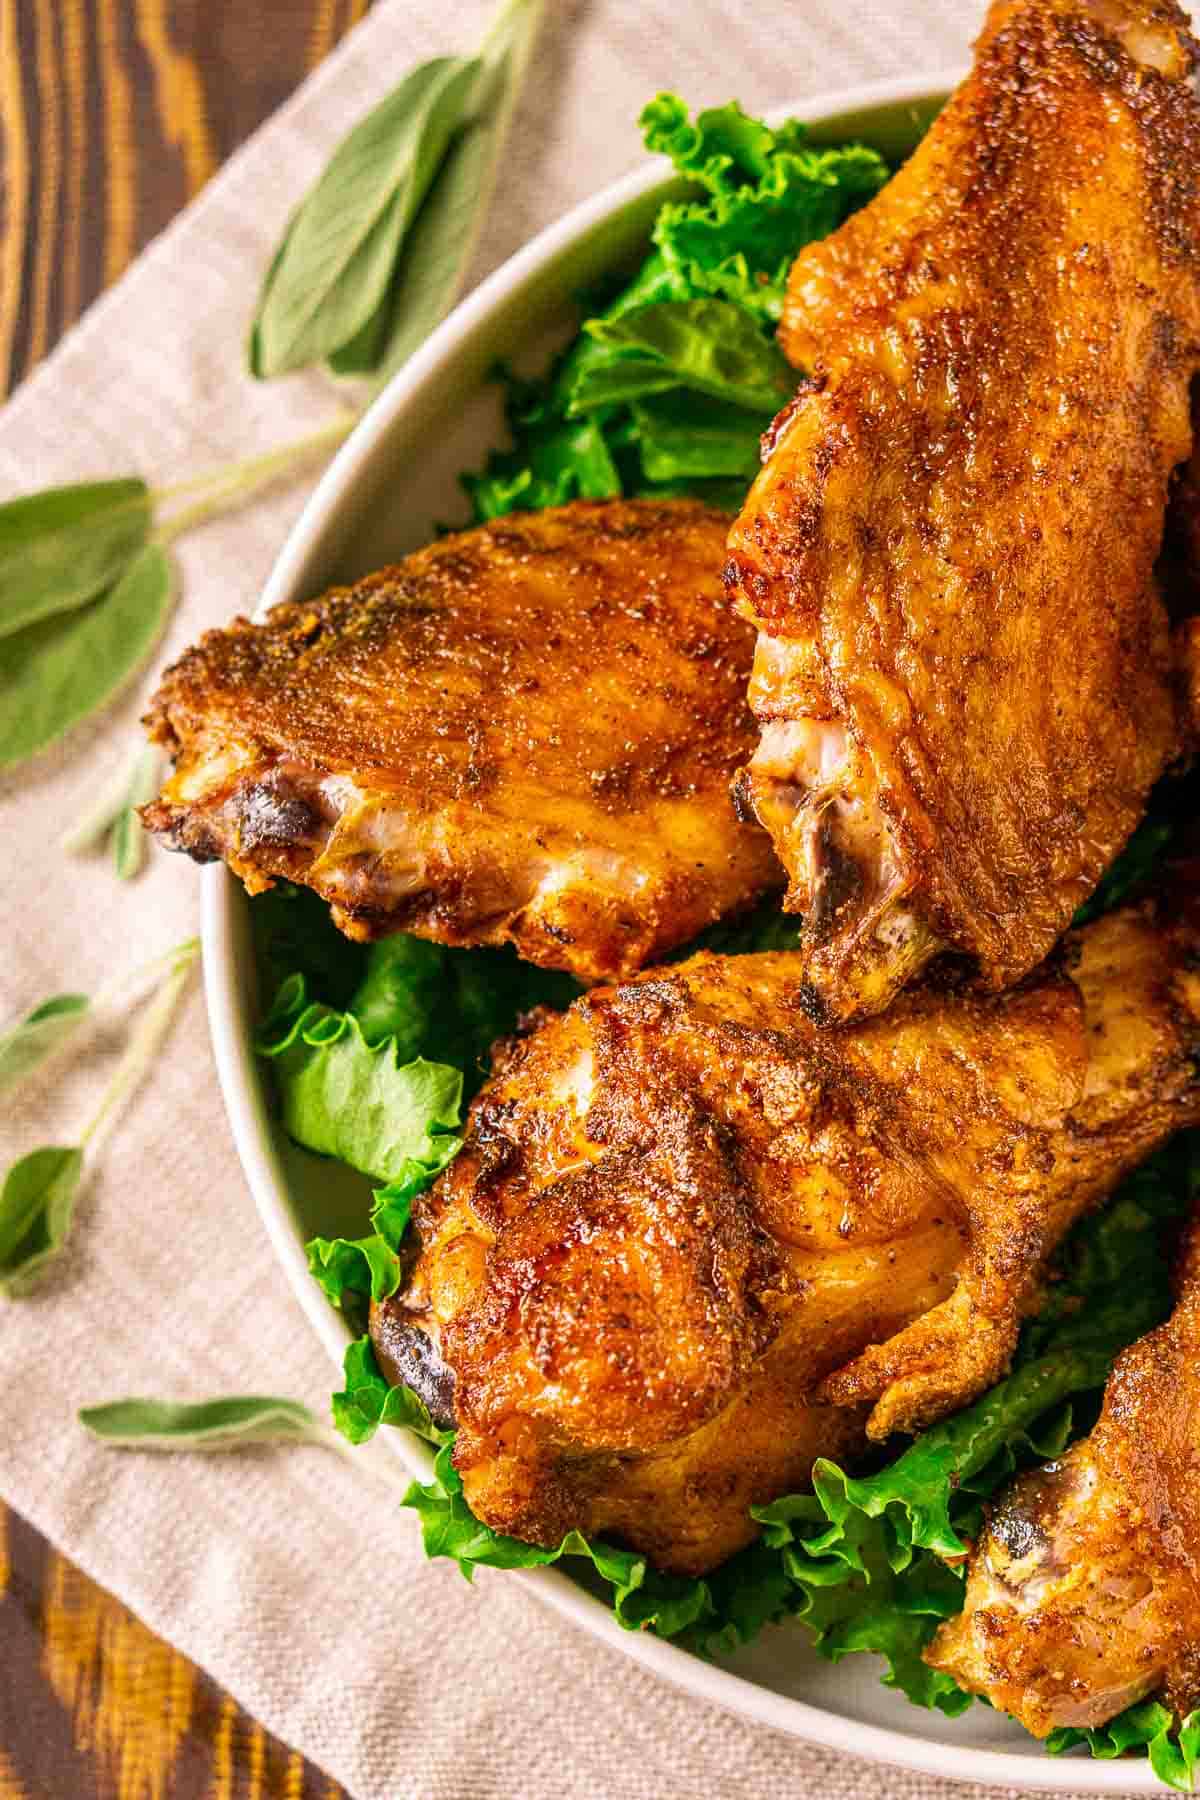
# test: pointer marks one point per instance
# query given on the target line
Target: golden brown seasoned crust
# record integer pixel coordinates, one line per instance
(523, 733)
(963, 674)
(694, 1242)
(1084, 1594)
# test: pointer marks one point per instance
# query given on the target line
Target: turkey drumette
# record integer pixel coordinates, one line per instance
(964, 677)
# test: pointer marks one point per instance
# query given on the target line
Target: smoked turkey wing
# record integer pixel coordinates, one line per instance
(695, 1241)
(1083, 1595)
(963, 675)
(523, 734)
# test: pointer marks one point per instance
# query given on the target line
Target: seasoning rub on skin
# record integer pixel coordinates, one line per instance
(522, 734)
(695, 1241)
(964, 677)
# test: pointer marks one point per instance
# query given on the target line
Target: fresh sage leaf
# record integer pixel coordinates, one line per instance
(129, 834)
(58, 671)
(63, 546)
(131, 784)
(254, 348)
(29, 1041)
(37, 1204)
(363, 352)
(104, 810)
(437, 252)
(35, 1037)
(129, 845)
(335, 266)
(142, 1424)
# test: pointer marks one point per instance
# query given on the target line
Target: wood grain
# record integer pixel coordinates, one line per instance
(113, 113)
(93, 1706)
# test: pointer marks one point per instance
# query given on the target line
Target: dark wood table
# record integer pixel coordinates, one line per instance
(112, 114)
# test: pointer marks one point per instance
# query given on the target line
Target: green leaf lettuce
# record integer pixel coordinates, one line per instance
(672, 382)
(343, 1097)
(1173, 1751)
(367, 1401)
(768, 193)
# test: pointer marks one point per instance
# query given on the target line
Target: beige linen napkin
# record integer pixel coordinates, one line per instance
(290, 1577)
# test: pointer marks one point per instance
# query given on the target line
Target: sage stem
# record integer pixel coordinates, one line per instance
(222, 489)
(143, 1047)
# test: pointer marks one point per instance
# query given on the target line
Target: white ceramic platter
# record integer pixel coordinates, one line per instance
(393, 479)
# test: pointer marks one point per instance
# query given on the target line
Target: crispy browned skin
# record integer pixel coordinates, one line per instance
(694, 1241)
(963, 667)
(1084, 1594)
(523, 734)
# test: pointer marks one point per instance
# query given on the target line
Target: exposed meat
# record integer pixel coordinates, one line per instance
(522, 734)
(695, 1241)
(964, 673)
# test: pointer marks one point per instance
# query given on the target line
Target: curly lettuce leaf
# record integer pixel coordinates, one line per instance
(365, 1266)
(743, 243)
(393, 1207)
(380, 1084)
(400, 994)
(853, 1598)
(618, 412)
(684, 436)
(360, 1082)
(367, 1401)
(446, 1004)
(911, 1499)
(700, 1612)
(369, 1268)
(568, 461)
(723, 148)
(343, 1097)
(735, 280)
(1173, 1750)
(450, 1004)
(769, 192)
(709, 346)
